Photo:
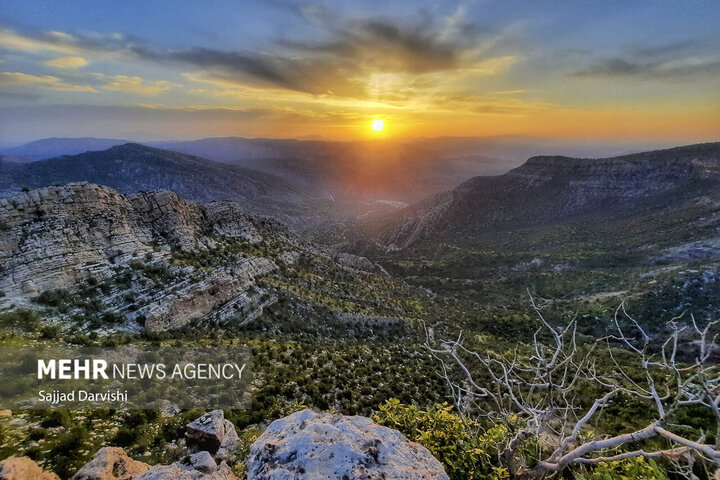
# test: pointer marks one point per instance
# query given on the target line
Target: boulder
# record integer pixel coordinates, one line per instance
(23, 468)
(212, 433)
(111, 463)
(203, 462)
(312, 446)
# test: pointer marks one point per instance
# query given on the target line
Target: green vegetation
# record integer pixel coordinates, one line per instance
(466, 451)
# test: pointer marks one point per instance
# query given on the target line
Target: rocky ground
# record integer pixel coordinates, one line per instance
(304, 446)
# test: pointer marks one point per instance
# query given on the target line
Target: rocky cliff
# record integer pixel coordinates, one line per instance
(552, 188)
(57, 236)
(151, 258)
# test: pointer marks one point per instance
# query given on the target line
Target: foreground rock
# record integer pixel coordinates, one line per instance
(111, 463)
(309, 446)
(214, 434)
(23, 468)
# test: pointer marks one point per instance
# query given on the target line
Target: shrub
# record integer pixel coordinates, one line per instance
(56, 418)
(465, 454)
(50, 332)
(26, 320)
(54, 298)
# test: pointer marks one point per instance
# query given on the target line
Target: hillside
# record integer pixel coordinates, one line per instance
(584, 234)
(164, 262)
(552, 189)
(131, 167)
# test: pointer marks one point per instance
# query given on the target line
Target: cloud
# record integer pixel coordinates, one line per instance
(67, 62)
(134, 84)
(342, 63)
(351, 52)
(9, 40)
(48, 82)
(685, 60)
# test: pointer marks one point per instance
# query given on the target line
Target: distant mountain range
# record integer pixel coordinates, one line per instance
(131, 167)
(54, 147)
(553, 189)
(406, 170)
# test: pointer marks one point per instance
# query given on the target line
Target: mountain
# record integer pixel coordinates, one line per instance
(132, 167)
(55, 147)
(359, 170)
(554, 189)
(404, 170)
(158, 261)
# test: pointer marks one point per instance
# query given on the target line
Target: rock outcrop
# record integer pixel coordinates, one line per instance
(308, 446)
(549, 189)
(59, 237)
(151, 259)
(56, 236)
(200, 299)
(111, 463)
(212, 433)
(23, 468)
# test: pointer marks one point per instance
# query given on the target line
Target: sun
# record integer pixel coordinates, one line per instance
(378, 125)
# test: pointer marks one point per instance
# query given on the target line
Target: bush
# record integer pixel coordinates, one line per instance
(54, 298)
(50, 332)
(464, 451)
(56, 418)
(26, 320)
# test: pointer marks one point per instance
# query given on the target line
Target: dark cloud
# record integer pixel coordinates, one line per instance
(683, 60)
(687, 68)
(351, 49)
(388, 46)
(340, 63)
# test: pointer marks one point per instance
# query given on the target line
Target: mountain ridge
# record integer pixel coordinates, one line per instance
(553, 188)
(131, 167)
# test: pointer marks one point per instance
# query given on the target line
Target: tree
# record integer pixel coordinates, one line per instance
(543, 394)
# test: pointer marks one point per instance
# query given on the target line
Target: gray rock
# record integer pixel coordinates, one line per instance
(111, 463)
(23, 468)
(195, 467)
(212, 433)
(313, 446)
(203, 462)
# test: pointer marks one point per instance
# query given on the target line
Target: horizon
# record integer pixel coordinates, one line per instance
(326, 71)
(558, 147)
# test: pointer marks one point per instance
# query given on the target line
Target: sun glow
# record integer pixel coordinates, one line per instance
(377, 125)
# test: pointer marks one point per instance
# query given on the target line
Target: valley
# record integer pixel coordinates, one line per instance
(139, 246)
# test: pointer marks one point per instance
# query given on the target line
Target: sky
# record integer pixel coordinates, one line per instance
(607, 70)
